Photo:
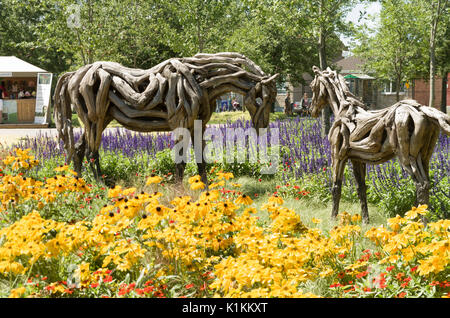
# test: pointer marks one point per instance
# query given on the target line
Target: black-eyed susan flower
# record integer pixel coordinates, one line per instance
(158, 209)
(196, 183)
(276, 199)
(225, 175)
(244, 199)
(153, 179)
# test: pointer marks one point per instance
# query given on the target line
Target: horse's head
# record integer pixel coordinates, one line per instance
(259, 101)
(319, 97)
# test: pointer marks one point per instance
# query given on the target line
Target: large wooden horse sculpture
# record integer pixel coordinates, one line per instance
(170, 95)
(406, 129)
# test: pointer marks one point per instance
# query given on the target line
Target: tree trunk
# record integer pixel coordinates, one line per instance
(90, 20)
(444, 93)
(397, 91)
(433, 27)
(326, 113)
(199, 30)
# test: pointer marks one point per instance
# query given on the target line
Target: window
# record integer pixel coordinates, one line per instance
(282, 88)
(390, 87)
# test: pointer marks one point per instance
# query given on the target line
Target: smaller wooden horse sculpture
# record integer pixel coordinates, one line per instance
(406, 129)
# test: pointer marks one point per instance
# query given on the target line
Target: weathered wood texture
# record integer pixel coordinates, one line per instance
(406, 129)
(170, 95)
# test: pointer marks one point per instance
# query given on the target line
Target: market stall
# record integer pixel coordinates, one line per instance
(24, 93)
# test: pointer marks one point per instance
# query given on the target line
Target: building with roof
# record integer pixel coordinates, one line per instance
(375, 94)
(25, 93)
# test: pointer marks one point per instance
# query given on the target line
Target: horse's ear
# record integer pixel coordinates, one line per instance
(316, 70)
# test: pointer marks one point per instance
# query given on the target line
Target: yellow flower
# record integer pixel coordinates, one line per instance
(221, 183)
(194, 179)
(84, 274)
(414, 212)
(197, 185)
(153, 179)
(209, 195)
(157, 209)
(276, 199)
(225, 175)
(356, 218)
(316, 221)
(115, 192)
(18, 292)
(62, 168)
(244, 199)
(250, 210)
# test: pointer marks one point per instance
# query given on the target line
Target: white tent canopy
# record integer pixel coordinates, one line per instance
(11, 66)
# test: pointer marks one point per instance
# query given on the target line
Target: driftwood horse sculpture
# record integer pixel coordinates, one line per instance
(406, 129)
(170, 95)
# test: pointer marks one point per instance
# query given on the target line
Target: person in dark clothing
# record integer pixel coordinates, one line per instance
(287, 105)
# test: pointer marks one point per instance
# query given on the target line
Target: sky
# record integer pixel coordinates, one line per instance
(354, 15)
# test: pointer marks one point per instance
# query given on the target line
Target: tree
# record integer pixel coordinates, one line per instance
(274, 34)
(436, 9)
(397, 49)
(129, 32)
(19, 29)
(328, 18)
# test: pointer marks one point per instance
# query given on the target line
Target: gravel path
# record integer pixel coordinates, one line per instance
(10, 136)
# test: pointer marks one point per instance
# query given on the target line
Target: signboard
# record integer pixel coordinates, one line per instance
(43, 91)
(7, 74)
(9, 111)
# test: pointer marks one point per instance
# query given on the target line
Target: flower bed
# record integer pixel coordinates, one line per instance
(210, 243)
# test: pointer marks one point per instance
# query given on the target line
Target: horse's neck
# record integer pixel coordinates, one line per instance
(342, 102)
(336, 100)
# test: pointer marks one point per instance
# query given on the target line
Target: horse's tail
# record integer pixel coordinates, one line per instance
(442, 118)
(63, 114)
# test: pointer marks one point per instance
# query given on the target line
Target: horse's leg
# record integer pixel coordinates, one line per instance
(80, 150)
(338, 164)
(201, 163)
(359, 171)
(181, 160)
(338, 172)
(423, 164)
(179, 171)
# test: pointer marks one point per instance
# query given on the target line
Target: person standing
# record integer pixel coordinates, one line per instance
(287, 105)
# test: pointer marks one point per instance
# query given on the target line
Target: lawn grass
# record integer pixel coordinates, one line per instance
(307, 208)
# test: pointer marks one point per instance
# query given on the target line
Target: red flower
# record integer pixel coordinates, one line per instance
(401, 295)
(123, 291)
(189, 286)
(413, 269)
(389, 268)
(362, 274)
(399, 276)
